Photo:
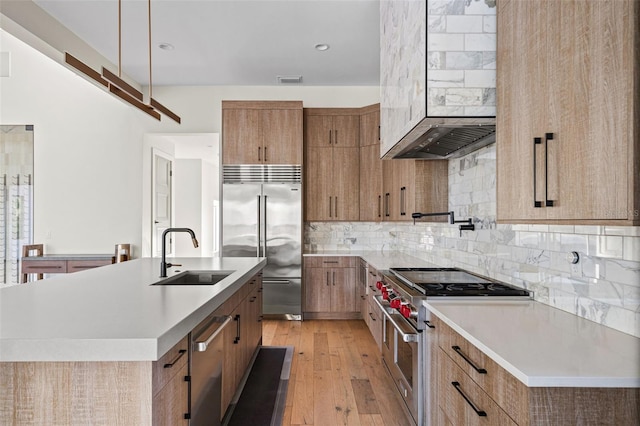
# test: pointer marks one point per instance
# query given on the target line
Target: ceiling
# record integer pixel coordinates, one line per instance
(234, 42)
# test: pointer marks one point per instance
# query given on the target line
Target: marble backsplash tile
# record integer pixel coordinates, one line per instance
(603, 287)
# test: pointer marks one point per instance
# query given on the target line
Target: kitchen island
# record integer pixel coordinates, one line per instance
(81, 348)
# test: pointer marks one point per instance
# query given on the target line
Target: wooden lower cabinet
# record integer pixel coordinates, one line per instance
(460, 392)
(171, 403)
(330, 288)
(241, 337)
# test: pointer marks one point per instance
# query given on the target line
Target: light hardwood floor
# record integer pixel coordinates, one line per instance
(337, 376)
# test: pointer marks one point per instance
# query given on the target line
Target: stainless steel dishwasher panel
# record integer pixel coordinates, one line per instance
(207, 354)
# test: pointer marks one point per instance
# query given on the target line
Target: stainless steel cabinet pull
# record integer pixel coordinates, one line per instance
(547, 137)
(201, 346)
(264, 240)
(536, 142)
(478, 412)
(172, 363)
(459, 351)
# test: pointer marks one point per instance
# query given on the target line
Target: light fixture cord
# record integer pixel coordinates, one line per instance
(120, 38)
(150, 85)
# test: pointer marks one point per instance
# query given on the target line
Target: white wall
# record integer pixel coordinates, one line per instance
(188, 190)
(87, 154)
(90, 147)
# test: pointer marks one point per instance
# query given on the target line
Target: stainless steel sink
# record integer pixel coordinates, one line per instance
(195, 278)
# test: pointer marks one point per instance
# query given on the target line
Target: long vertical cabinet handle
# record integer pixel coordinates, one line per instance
(330, 136)
(379, 205)
(327, 277)
(265, 154)
(264, 225)
(403, 210)
(237, 319)
(334, 277)
(259, 216)
(330, 206)
(335, 207)
(335, 139)
(386, 204)
(547, 137)
(536, 142)
(259, 153)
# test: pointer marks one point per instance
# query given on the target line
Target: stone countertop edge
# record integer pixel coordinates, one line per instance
(112, 313)
(583, 354)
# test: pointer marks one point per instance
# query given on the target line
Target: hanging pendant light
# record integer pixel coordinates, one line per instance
(116, 85)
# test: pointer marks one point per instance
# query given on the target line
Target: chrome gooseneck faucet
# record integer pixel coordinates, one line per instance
(468, 223)
(163, 263)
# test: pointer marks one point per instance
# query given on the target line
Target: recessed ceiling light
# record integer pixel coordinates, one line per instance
(166, 46)
(322, 47)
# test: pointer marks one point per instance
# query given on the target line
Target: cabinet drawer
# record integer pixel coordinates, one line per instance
(462, 401)
(170, 364)
(44, 267)
(81, 265)
(331, 261)
(499, 384)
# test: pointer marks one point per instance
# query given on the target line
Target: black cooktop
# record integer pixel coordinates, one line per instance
(454, 282)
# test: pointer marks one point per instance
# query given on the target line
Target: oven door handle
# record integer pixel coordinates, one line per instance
(406, 331)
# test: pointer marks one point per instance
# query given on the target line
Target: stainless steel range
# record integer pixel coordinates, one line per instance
(404, 342)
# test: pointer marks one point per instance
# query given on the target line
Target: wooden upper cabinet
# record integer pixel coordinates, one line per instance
(262, 132)
(568, 112)
(411, 186)
(371, 194)
(332, 164)
(332, 127)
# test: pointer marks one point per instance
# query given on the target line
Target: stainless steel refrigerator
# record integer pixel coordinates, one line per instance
(262, 217)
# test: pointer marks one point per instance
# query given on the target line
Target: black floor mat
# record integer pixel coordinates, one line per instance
(261, 401)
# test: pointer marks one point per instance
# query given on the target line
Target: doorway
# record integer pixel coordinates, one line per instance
(193, 196)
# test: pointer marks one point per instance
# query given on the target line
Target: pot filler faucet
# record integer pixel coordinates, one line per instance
(468, 224)
(163, 263)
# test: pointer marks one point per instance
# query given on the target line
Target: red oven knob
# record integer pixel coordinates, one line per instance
(395, 303)
(379, 285)
(405, 311)
(385, 293)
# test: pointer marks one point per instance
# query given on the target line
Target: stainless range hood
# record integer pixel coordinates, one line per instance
(437, 138)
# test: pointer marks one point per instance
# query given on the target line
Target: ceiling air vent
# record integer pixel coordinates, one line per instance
(289, 79)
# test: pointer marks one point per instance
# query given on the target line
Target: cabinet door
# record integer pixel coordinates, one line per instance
(346, 184)
(343, 289)
(171, 403)
(242, 136)
(232, 358)
(371, 196)
(282, 136)
(318, 131)
(370, 129)
(346, 131)
(317, 291)
(589, 172)
(318, 179)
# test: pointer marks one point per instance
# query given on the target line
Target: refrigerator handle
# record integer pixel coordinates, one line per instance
(259, 230)
(264, 241)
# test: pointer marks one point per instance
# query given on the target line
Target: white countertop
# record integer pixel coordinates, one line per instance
(543, 346)
(112, 313)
